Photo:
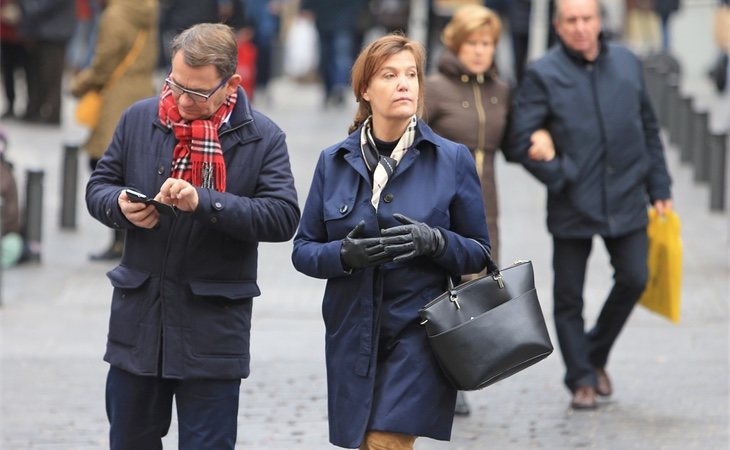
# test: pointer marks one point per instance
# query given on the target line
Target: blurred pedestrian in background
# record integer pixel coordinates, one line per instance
(519, 13)
(11, 234)
(466, 101)
(47, 26)
(179, 15)
(642, 30)
(183, 292)
(720, 71)
(127, 36)
(392, 15)
(263, 15)
(606, 163)
(336, 23)
(393, 210)
(665, 9)
(81, 47)
(13, 58)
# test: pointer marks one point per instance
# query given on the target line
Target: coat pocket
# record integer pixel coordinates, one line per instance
(220, 317)
(336, 212)
(132, 291)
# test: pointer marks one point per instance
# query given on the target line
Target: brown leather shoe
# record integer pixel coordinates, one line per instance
(584, 398)
(603, 383)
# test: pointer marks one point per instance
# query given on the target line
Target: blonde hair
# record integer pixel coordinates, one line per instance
(467, 20)
(371, 59)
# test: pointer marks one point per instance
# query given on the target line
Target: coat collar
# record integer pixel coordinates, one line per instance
(350, 149)
(450, 66)
(578, 59)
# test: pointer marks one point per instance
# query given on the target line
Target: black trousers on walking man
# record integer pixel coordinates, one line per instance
(583, 351)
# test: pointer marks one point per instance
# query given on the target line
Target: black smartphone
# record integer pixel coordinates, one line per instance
(138, 197)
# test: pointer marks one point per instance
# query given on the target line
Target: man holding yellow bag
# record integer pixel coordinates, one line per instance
(606, 165)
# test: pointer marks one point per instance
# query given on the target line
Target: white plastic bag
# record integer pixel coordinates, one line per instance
(301, 49)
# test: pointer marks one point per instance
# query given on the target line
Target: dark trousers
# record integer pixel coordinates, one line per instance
(139, 409)
(12, 59)
(583, 351)
(519, 54)
(335, 58)
(45, 73)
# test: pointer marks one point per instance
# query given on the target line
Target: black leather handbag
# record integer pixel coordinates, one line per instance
(489, 328)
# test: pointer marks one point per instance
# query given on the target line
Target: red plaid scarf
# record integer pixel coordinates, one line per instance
(198, 157)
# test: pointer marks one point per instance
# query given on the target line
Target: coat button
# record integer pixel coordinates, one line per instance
(213, 220)
(388, 198)
(494, 100)
(218, 205)
(465, 104)
(465, 78)
(161, 169)
(343, 209)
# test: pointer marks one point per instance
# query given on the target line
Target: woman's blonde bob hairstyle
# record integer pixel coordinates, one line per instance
(371, 59)
(467, 20)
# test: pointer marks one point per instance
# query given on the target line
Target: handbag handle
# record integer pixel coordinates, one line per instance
(492, 270)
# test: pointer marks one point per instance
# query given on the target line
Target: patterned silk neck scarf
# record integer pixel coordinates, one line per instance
(198, 157)
(381, 166)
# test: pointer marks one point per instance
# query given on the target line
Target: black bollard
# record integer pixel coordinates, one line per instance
(34, 212)
(717, 170)
(700, 140)
(651, 78)
(663, 95)
(68, 185)
(686, 130)
(673, 103)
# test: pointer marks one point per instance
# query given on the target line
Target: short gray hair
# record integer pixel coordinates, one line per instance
(208, 43)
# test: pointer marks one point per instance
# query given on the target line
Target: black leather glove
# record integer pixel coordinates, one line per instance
(357, 252)
(413, 239)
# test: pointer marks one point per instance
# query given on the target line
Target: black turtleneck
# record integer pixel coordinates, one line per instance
(383, 147)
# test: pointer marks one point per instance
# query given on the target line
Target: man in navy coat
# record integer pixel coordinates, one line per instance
(181, 307)
(606, 167)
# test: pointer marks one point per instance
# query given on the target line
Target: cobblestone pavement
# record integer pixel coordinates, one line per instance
(671, 381)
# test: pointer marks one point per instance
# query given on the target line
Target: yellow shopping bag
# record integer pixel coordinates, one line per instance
(663, 291)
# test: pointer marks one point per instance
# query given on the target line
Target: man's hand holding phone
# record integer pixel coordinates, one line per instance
(162, 208)
(141, 210)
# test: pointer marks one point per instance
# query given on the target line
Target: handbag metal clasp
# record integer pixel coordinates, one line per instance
(455, 300)
(498, 278)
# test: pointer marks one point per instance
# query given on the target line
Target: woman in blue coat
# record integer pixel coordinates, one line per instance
(393, 210)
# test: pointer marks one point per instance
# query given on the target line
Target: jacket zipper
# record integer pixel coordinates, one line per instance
(160, 347)
(481, 138)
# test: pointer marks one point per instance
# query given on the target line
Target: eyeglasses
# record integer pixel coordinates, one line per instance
(196, 97)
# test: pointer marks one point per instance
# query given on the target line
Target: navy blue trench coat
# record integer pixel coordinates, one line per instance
(381, 374)
(181, 305)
